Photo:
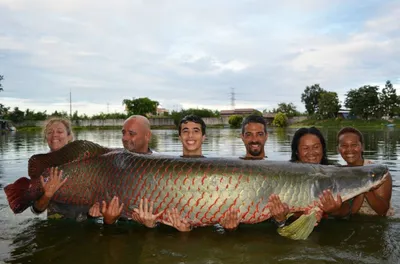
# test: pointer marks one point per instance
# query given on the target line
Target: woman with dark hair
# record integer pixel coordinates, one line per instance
(309, 146)
(351, 148)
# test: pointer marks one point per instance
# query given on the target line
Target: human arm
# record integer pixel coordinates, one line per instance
(379, 198)
(54, 182)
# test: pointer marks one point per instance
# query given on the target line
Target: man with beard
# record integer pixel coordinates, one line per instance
(254, 135)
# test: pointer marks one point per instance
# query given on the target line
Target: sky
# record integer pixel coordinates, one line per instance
(192, 53)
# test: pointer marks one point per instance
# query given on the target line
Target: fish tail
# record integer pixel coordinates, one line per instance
(18, 196)
(301, 228)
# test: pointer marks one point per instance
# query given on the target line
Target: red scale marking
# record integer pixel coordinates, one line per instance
(198, 200)
(165, 172)
(203, 179)
(170, 202)
(245, 213)
(219, 210)
(187, 176)
(179, 201)
(163, 201)
(186, 204)
(178, 176)
(208, 210)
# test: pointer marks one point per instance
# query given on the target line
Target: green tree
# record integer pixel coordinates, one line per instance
(389, 100)
(288, 109)
(364, 102)
(235, 121)
(16, 115)
(310, 98)
(60, 114)
(328, 105)
(31, 115)
(203, 112)
(1, 78)
(3, 111)
(110, 116)
(140, 106)
(280, 120)
(256, 113)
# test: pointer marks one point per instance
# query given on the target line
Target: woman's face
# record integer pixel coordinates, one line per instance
(57, 136)
(350, 148)
(310, 149)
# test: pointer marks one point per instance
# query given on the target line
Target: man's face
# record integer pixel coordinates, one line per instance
(191, 138)
(254, 139)
(135, 136)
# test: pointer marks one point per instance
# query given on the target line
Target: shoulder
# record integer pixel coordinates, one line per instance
(366, 162)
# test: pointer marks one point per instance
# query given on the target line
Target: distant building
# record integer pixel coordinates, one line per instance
(239, 111)
(269, 117)
(162, 111)
(344, 113)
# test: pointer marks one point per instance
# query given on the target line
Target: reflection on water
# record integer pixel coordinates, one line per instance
(26, 238)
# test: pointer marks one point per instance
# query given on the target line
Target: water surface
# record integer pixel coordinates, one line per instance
(27, 238)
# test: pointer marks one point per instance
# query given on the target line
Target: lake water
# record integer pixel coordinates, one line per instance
(27, 238)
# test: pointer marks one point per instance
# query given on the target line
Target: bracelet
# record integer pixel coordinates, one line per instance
(280, 224)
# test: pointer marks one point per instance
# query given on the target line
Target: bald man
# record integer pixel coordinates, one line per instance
(136, 134)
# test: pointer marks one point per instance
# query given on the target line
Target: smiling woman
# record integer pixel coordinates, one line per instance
(376, 201)
(57, 133)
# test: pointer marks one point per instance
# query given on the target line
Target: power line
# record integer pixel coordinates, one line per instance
(233, 98)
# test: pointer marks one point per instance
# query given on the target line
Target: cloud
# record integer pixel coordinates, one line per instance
(186, 54)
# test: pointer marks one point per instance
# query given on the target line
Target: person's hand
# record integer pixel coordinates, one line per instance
(144, 214)
(175, 220)
(94, 211)
(278, 210)
(328, 204)
(53, 183)
(231, 219)
(111, 212)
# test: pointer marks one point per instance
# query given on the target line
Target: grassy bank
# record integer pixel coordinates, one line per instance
(345, 122)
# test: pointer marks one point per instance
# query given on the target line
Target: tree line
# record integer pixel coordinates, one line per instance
(366, 102)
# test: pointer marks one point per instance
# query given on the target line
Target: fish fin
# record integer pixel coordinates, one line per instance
(301, 228)
(17, 196)
(74, 151)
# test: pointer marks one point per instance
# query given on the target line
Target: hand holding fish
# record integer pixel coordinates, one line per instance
(277, 209)
(144, 215)
(94, 211)
(53, 183)
(175, 220)
(231, 219)
(328, 203)
(111, 212)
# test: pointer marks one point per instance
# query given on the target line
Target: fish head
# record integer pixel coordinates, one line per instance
(376, 174)
(361, 179)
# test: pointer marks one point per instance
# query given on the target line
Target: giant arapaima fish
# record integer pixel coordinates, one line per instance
(202, 189)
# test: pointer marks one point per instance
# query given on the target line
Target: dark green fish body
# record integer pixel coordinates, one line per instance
(202, 189)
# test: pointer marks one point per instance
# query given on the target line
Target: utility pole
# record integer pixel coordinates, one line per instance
(233, 98)
(70, 103)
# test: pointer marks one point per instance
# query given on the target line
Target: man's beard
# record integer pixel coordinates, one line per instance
(255, 152)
